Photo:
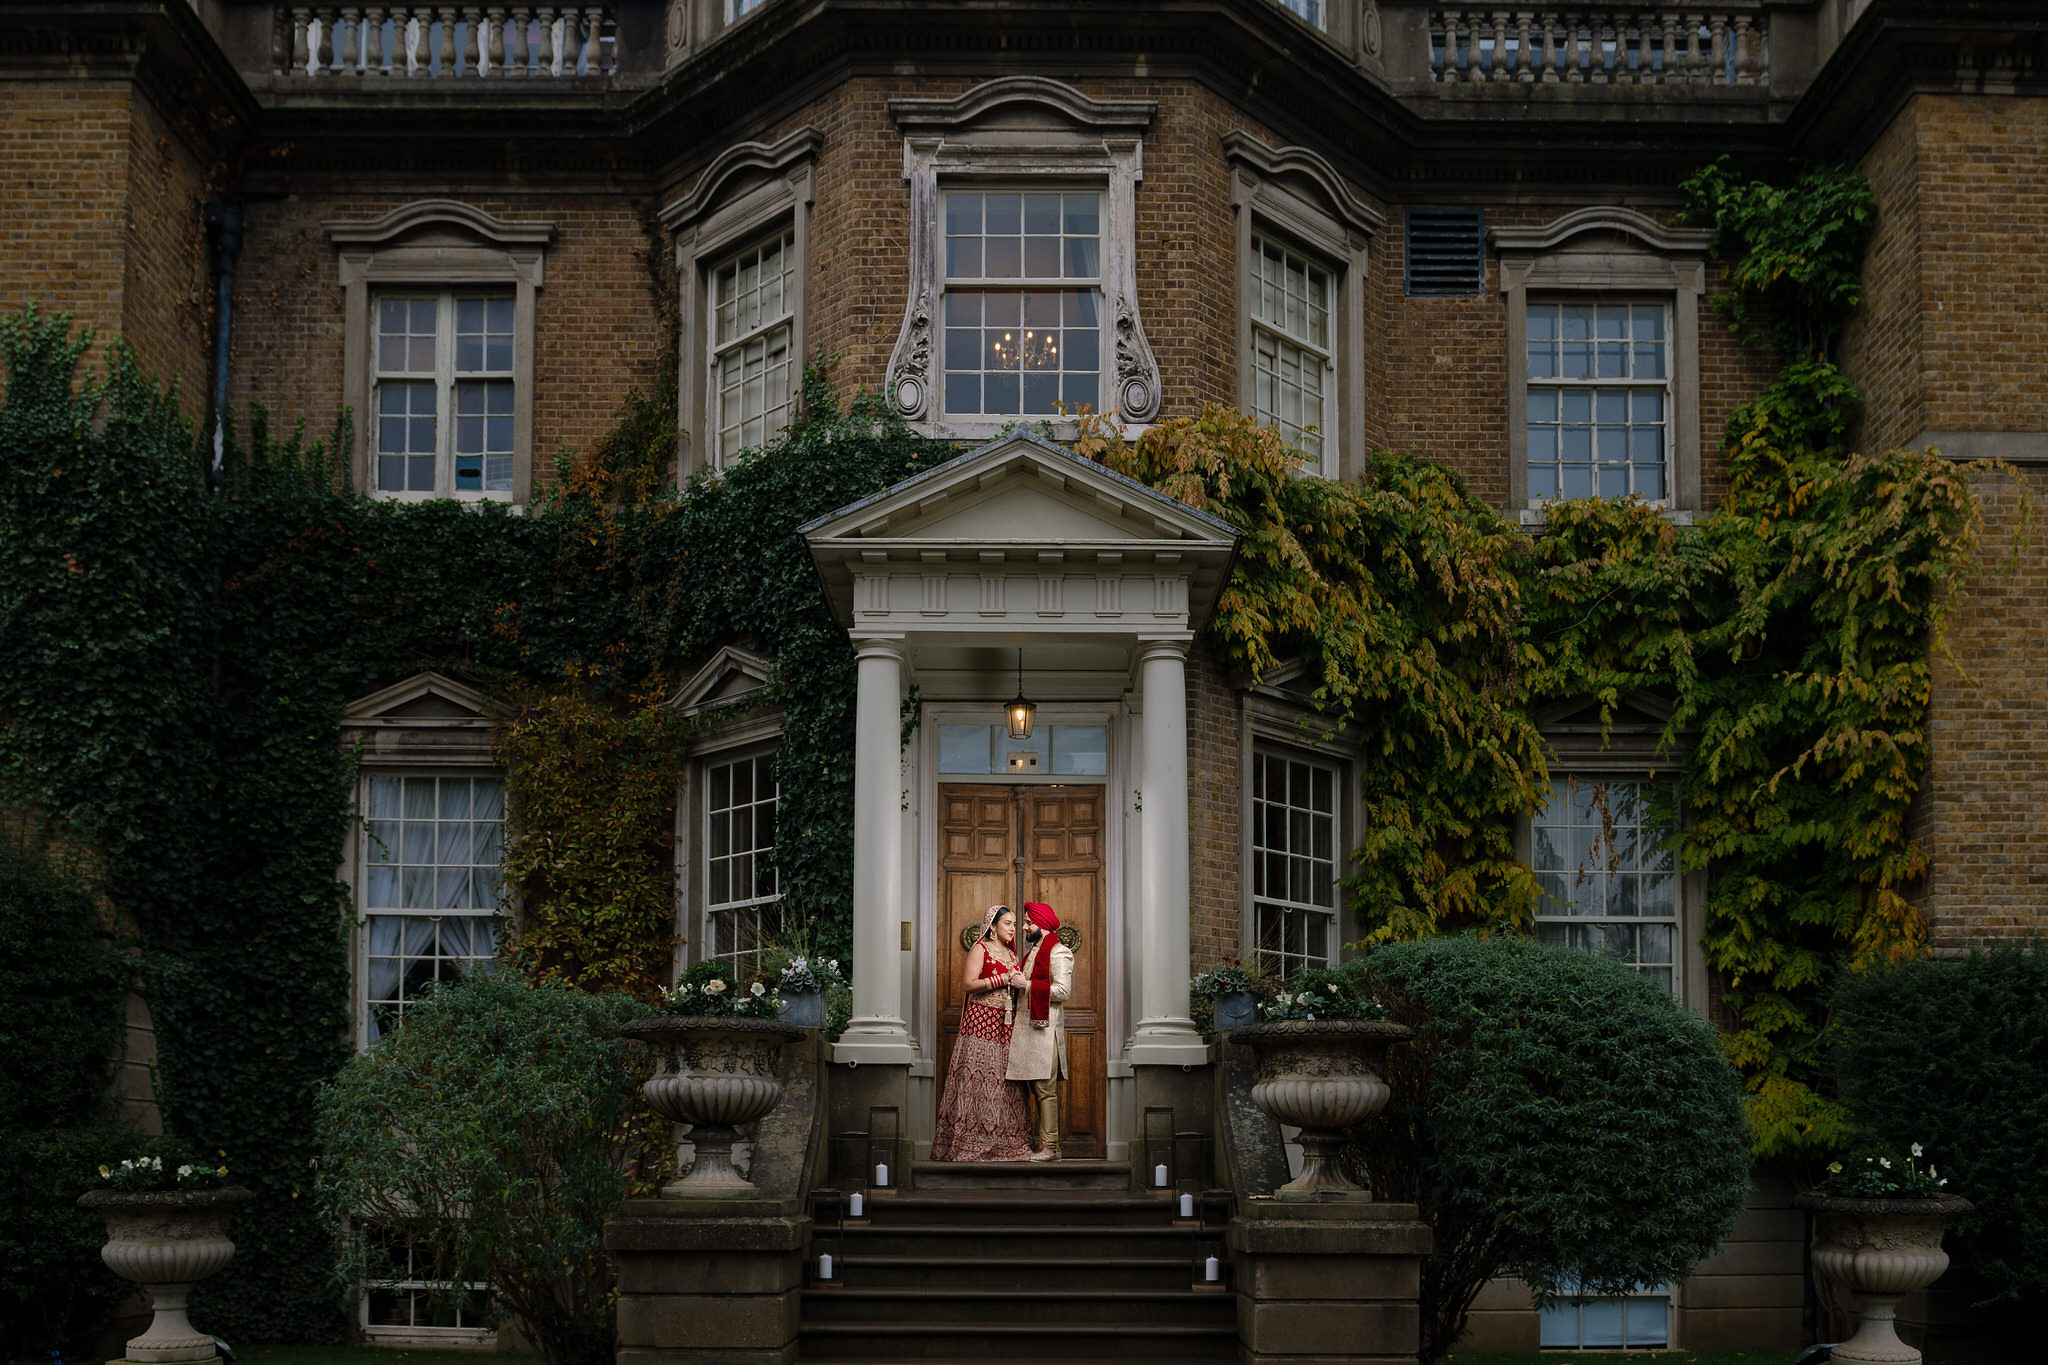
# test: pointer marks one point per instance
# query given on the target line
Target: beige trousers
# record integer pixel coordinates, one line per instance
(1045, 1096)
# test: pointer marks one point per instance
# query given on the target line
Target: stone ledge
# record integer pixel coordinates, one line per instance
(648, 1226)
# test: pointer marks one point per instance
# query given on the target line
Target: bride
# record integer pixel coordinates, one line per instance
(981, 1115)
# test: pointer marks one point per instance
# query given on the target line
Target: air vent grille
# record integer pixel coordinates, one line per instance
(1446, 251)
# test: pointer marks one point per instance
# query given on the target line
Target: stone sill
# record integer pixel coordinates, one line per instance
(1535, 520)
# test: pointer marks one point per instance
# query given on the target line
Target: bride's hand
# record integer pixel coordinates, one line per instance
(1019, 981)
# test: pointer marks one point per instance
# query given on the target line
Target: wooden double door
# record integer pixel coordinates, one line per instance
(1005, 845)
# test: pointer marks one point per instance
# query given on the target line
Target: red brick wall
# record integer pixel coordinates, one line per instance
(167, 313)
(1881, 348)
(597, 319)
(64, 148)
(1215, 811)
(1983, 813)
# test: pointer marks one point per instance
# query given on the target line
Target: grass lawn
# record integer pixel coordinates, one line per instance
(1628, 1358)
(369, 1355)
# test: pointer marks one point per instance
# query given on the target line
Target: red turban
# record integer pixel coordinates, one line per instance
(1046, 922)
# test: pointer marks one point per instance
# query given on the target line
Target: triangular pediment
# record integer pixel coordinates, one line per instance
(730, 677)
(1020, 489)
(1637, 713)
(428, 699)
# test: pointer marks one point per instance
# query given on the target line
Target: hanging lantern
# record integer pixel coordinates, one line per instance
(1018, 714)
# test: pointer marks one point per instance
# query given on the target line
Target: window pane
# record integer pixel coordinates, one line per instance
(739, 801)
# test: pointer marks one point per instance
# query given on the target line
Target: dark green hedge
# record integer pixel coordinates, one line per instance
(1953, 1054)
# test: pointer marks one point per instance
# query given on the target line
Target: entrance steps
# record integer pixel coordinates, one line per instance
(1016, 1261)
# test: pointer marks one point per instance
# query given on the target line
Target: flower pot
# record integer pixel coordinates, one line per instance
(1880, 1250)
(167, 1241)
(805, 1009)
(713, 1074)
(1323, 1077)
(1235, 1009)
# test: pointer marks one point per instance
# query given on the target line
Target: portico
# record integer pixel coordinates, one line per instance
(1021, 560)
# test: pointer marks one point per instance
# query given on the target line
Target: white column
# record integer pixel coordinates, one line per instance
(877, 1032)
(1165, 1035)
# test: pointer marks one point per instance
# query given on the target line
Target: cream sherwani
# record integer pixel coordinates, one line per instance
(1033, 1050)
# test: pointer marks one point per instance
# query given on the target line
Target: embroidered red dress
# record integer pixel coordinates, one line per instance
(981, 1116)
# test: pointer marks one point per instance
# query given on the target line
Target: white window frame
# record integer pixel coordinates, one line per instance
(367, 852)
(745, 195)
(983, 284)
(429, 246)
(1549, 1319)
(757, 905)
(1312, 433)
(1034, 132)
(1563, 784)
(1262, 754)
(446, 379)
(391, 1334)
(1630, 749)
(1631, 384)
(1314, 13)
(1297, 199)
(1280, 719)
(1613, 253)
(763, 334)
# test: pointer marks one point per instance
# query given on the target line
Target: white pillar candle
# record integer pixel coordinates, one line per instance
(1210, 1269)
(1159, 1176)
(825, 1267)
(882, 1174)
(1187, 1206)
(854, 1204)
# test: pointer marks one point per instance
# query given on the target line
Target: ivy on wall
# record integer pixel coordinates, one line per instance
(1792, 629)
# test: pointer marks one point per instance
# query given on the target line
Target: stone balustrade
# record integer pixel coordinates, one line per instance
(361, 42)
(1601, 45)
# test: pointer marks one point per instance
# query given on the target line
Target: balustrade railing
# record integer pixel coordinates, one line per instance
(1601, 44)
(498, 41)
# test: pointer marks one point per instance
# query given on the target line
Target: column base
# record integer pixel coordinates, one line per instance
(1167, 1042)
(875, 1041)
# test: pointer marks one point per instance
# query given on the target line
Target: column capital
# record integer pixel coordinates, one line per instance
(880, 647)
(1150, 647)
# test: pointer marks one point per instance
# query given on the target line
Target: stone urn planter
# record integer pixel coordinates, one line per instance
(1235, 1009)
(1880, 1250)
(1323, 1076)
(805, 1009)
(167, 1241)
(713, 1074)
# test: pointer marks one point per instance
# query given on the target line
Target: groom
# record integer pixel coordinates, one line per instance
(1038, 1043)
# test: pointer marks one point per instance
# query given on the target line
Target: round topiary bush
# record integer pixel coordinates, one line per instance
(1952, 1054)
(1558, 1117)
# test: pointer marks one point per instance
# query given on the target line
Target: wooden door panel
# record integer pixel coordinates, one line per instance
(979, 833)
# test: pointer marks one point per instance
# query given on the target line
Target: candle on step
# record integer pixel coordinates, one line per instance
(854, 1205)
(825, 1267)
(1210, 1269)
(1187, 1206)
(882, 1174)
(1159, 1176)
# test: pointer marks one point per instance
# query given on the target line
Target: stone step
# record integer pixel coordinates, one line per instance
(1014, 1208)
(1016, 1274)
(959, 1242)
(982, 1342)
(1047, 1176)
(984, 1304)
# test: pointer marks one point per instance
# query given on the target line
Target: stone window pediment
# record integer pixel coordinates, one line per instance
(1022, 135)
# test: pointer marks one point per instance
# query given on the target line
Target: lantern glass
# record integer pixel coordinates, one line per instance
(1017, 717)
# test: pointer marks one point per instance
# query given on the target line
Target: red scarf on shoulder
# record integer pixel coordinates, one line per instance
(1046, 922)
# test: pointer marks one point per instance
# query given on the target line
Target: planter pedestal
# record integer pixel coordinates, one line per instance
(1323, 1077)
(1880, 1250)
(713, 1074)
(167, 1242)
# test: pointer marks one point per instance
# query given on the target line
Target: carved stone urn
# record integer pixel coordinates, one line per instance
(167, 1241)
(1323, 1076)
(1880, 1250)
(713, 1073)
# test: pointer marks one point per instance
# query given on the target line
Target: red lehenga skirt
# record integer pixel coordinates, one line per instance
(981, 1115)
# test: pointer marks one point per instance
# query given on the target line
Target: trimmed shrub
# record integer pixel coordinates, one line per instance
(1558, 1117)
(490, 1131)
(1953, 1054)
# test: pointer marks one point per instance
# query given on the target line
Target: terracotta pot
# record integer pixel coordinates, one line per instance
(1880, 1250)
(167, 1241)
(1323, 1077)
(713, 1074)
